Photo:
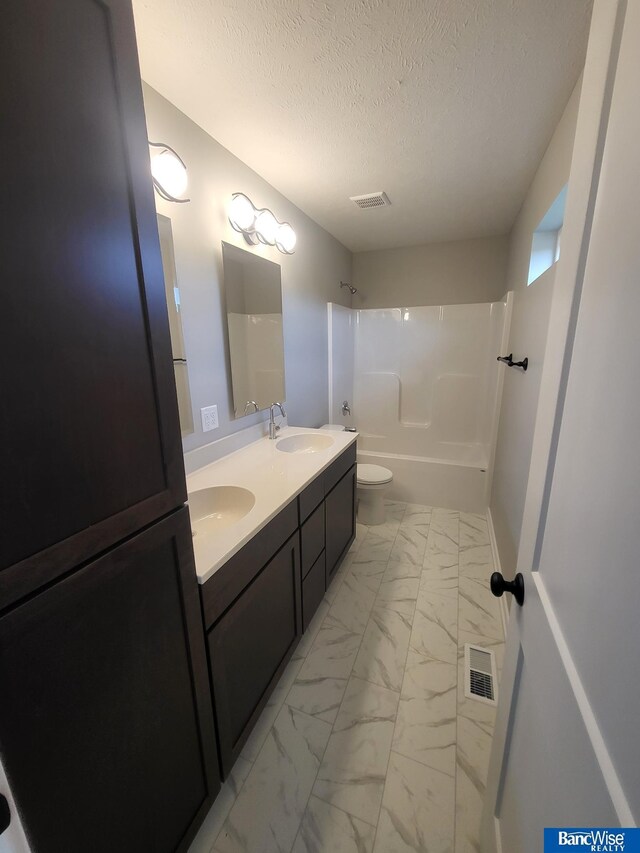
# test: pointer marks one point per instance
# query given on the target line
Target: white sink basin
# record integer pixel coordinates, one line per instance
(306, 442)
(218, 507)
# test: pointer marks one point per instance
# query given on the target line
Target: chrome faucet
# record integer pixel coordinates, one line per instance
(251, 403)
(345, 408)
(273, 429)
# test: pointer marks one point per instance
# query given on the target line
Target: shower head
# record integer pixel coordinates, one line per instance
(352, 289)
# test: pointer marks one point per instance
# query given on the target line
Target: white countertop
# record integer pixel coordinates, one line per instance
(273, 476)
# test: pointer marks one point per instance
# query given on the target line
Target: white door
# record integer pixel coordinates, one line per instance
(566, 752)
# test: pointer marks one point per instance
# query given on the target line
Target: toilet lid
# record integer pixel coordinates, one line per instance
(371, 475)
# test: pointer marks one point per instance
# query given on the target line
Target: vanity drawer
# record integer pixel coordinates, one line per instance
(339, 468)
(313, 591)
(312, 539)
(219, 592)
(310, 498)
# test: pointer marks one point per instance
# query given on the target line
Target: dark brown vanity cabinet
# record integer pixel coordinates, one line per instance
(328, 527)
(340, 520)
(253, 616)
(250, 645)
(312, 545)
(106, 727)
(340, 508)
(313, 590)
(257, 605)
(106, 743)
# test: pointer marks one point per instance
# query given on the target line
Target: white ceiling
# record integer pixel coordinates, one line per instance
(447, 105)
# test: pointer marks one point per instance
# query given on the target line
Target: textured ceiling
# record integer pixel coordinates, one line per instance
(447, 105)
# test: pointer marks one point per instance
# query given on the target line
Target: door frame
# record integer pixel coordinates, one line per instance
(593, 115)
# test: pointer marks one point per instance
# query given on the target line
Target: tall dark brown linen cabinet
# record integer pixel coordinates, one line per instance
(106, 727)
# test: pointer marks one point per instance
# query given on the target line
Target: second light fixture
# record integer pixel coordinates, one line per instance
(260, 225)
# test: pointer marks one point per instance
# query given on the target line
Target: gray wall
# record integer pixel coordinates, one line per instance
(529, 325)
(310, 277)
(463, 271)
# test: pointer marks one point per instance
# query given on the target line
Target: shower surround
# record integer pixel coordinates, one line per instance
(426, 388)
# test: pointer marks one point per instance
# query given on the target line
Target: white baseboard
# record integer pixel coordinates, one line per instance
(504, 607)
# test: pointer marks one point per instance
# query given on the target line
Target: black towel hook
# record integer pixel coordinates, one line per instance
(508, 360)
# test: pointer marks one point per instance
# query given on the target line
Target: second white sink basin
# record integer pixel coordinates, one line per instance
(218, 507)
(306, 442)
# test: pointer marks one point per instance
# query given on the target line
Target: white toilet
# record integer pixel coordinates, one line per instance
(372, 484)
(373, 481)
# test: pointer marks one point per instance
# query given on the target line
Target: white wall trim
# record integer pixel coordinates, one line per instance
(607, 767)
(493, 442)
(504, 607)
(330, 360)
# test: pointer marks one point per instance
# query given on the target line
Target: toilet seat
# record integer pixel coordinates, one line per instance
(372, 475)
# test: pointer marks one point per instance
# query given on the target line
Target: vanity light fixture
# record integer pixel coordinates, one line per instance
(169, 173)
(286, 238)
(266, 227)
(260, 225)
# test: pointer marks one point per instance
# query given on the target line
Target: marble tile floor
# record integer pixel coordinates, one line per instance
(368, 744)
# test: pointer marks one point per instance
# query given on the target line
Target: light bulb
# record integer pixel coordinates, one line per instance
(286, 238)
(169, 172)
(266, 227)
(242, 213)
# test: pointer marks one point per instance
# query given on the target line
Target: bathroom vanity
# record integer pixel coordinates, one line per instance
(264, 575)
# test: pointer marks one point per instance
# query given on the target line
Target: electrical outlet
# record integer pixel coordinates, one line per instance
(209, 418)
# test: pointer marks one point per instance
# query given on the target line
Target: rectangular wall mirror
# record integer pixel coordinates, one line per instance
(253, 294)
(172, 293)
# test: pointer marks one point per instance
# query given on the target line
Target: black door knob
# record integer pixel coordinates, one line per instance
(5, 814)
(516, 586)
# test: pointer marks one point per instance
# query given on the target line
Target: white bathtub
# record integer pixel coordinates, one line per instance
(459, 483)
(424, 388)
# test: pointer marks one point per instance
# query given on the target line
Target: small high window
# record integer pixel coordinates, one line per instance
(545, 245)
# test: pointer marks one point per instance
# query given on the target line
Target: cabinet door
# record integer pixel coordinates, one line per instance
(106, 728)
(313, 589)
(340, 520)
(250, 645)
(311, 540)
(90, 445)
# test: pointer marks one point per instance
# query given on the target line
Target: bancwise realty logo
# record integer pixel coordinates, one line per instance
(598, 840)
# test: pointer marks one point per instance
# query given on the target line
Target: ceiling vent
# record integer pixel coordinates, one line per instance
(370, 200)
(480, 674)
